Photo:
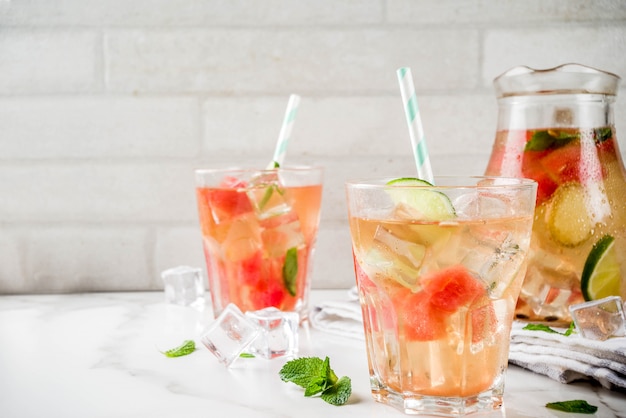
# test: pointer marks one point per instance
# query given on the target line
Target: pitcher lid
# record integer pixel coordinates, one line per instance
(564, 79)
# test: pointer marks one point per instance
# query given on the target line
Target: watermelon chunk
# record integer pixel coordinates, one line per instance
(452, 288)
(532, 168)
(420, 319)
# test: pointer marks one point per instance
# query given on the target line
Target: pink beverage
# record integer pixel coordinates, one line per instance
(259, 230)
(556, 127)
(569, 221)
(439, 270)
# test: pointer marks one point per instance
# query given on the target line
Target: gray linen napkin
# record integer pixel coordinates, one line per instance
(567, 359)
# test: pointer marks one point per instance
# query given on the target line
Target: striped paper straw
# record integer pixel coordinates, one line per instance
(285, 131)
(416, 131)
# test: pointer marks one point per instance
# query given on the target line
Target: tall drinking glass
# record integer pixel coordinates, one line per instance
(439, 270)
(259, 229)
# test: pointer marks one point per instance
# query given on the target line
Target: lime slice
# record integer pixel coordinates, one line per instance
(569, 221)
(601, 274)
(429, 204)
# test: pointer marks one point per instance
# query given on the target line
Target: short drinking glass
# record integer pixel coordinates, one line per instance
(439, 270)
(259, 229)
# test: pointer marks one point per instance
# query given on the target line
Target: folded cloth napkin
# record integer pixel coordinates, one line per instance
(339, 317)
(566, 359)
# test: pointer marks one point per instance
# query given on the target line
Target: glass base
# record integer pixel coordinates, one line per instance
(413, 404)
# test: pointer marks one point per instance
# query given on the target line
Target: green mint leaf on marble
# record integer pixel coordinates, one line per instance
(290, 270)
(316, 376)
(276, 164)
(339, 393)
(247, 355)
(187, 347)
(575, 406)
(302, 371)
(545, 328)
(316, 385)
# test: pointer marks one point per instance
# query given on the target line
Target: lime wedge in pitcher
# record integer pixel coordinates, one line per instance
(432, 205)
(601, 274)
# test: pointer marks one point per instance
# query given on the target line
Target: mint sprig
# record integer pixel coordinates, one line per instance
(545, 328)
(187, 347)
(552, 139)
(315, 376)
(576, 406)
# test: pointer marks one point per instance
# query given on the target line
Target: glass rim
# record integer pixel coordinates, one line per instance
(569, 78)
(458, 183)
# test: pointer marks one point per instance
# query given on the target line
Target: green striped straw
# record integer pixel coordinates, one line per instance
(285, 131)
(416, 131)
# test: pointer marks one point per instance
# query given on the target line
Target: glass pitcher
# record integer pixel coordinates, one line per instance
(556, 127)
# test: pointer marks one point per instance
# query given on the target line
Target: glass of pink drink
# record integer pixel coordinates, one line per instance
(439, 270)
(259, 229)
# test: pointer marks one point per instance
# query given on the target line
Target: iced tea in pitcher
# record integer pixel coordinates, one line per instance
(556, 127)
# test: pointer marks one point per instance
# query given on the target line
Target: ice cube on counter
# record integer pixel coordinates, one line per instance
(230, 335)
(183, 285)
(599, 319)
(279, 336)
(267, 333)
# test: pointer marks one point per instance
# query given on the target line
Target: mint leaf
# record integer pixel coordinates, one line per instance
(328, 373)
(602, 134)
(290, 270)
(317, 385)
(570, 330)
(247, 355)
(576, 406)
(301, 371)
(545, 328)
(316, 377)
(187, 347)
(266, 196)
(339, 393)
(545, 140)
(551, 139)
(540, 327)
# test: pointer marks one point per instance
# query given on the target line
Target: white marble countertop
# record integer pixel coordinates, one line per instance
(97, 355)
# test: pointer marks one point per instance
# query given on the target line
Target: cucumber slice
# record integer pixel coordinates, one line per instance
(430, 205)
(569, 221)
(601, 275)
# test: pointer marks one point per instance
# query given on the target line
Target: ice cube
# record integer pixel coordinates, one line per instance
(240, 238)
(228, 201)
(230, 334)
(394, 257)
(279, 335)
(280, 233)
(600, 319)
(481, 205)
(183, 285)
(548, 284)
(502, 267)
(267, 195)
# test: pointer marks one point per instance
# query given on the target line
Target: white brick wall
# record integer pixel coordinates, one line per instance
(106, 107)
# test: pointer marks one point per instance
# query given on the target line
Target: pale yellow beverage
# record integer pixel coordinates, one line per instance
(438, 295)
